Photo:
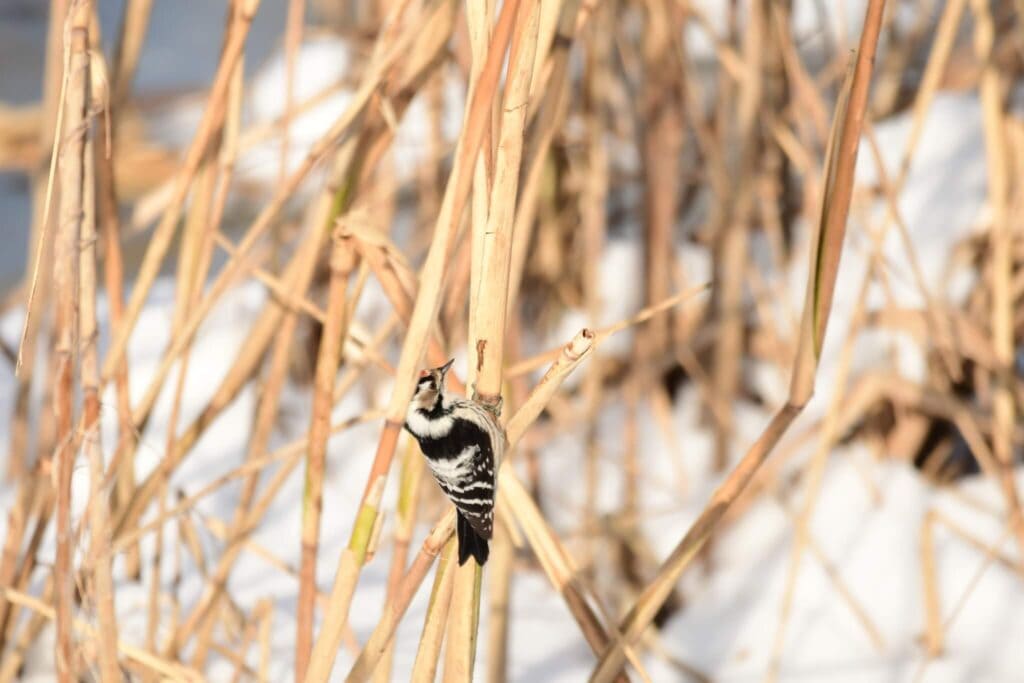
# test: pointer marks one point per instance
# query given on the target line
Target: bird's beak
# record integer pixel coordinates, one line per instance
(444, 368)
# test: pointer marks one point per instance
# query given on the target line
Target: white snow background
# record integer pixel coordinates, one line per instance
(868, 525)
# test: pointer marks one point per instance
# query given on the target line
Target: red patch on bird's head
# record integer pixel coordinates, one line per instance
(424, 373)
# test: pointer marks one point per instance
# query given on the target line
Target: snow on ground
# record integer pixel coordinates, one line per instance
(727, 626)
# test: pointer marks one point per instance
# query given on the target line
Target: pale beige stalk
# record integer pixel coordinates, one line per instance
(66, 284)
(343, 261)
(99, 535)
(428, 654)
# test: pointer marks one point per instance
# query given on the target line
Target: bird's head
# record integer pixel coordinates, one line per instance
(430, 387)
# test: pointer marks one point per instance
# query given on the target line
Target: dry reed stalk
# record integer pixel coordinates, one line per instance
(35, 493)
(248, 635)
(496, 242)
(292, 42)
(825, 255)
(535, 362)
(661, 108)
(945, 39)
(99, 543)
(236, 32)
(110, 229)
(428, 653)
(479, 19)
(193, 266)
(1005, 560)
(730, 249)
(405, 520)
(196, 252)
(1002, 314)
(155, 574)
(991, 553)
(14, 659)
(41, 503)
(266, 629)
(593, 199)
(72, 146)
(463, 622)
(427, 303)
(933, 635)
(17, 522)
(500, 561)
(342, 263)
(553, 109)
(128, 50)
(151, 662)
(40, 248)
(492, 249)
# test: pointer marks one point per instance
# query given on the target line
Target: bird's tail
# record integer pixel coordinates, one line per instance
(470, 542)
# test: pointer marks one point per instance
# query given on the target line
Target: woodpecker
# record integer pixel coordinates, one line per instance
(463, 444)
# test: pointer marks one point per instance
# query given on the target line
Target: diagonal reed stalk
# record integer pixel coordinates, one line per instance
(825, 254)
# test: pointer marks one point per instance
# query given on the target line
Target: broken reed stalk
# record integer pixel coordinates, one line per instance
(71, 141)
(825, 255)
(342, 263)
(99, 512)
(423, 316)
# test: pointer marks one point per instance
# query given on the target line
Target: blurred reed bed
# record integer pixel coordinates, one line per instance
(584, 124)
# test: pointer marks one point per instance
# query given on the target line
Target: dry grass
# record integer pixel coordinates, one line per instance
(512, 220)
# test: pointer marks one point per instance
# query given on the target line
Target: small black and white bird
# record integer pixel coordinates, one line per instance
(463, 444)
